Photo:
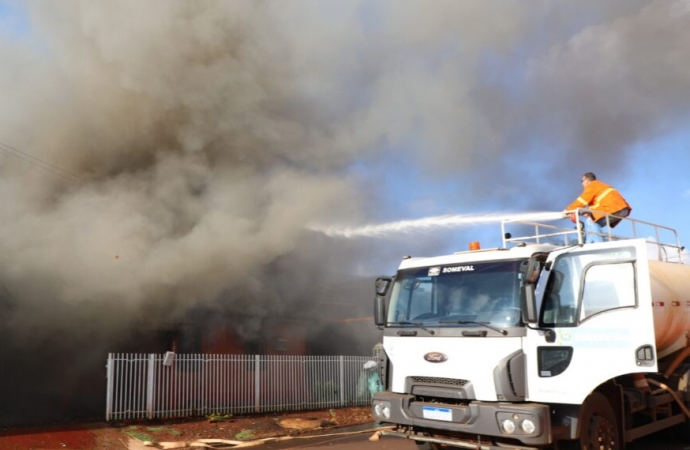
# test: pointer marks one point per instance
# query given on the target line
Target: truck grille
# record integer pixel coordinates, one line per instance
(437, 381)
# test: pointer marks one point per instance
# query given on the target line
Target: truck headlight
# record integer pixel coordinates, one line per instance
(508, 426)
(386, 411)
(528, 426)
(517, 423)
(382, 409)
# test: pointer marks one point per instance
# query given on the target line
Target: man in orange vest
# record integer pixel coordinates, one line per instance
(600, 198)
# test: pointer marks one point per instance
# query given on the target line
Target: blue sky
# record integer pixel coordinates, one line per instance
(203, 131)
(663, 193)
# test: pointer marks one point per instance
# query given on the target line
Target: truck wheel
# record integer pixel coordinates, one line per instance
(598, 425)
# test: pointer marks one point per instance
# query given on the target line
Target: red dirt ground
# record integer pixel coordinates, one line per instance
(115, 436)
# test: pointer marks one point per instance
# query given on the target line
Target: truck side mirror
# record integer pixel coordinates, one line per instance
(532, 270)
(382, 286)
(380, 311)
(529, 306)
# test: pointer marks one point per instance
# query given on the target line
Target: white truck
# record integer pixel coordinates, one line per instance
(547, 342)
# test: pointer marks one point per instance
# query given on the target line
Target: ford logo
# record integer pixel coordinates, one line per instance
(435, 357)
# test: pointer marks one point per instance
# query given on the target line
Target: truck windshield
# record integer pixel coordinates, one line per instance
(457, 295)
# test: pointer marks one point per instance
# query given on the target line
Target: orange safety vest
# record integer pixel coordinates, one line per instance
(600, 197)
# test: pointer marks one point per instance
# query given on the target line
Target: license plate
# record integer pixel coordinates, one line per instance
(437, 413)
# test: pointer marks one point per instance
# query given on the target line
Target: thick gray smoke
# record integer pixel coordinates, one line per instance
(200, 149)
(201, 139)
(615, 83)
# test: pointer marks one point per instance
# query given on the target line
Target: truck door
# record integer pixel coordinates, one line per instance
(596, 301)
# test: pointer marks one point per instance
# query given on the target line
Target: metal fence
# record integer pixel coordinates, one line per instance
(177, 385)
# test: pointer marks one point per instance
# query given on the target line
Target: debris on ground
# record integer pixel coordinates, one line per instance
(248, 430)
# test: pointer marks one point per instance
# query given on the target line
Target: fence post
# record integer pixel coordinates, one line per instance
(109, 390)
(149, 386)
(342, 380)
(257, 384)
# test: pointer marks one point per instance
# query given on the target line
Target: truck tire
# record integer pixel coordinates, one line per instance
(598, 425)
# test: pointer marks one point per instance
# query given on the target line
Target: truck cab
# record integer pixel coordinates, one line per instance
(525, 345)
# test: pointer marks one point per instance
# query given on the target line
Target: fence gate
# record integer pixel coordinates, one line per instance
(183, 385)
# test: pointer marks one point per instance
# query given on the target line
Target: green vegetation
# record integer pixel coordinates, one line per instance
(219, 417)
(245, 435)
(166, 430)
(144, 434)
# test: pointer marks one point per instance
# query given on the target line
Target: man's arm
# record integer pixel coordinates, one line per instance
(585, 199)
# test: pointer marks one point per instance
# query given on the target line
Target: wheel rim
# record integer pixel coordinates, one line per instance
(600, 432)
(601, 436)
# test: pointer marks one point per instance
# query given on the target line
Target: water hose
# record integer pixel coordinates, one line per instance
(673, 394)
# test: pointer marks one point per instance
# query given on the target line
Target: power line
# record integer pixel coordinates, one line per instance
(55, 170)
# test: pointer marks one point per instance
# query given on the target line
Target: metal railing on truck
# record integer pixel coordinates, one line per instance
(153, 386)
(557, 229)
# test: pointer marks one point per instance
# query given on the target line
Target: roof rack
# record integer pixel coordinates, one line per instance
(550, 228)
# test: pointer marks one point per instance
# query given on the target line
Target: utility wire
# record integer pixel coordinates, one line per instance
(55, 170)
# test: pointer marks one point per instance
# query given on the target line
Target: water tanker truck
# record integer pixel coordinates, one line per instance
(546, 342)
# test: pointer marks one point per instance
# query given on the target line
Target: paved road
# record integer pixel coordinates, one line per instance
(347, 440)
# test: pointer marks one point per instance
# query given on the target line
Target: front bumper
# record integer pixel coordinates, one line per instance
(454, 442)
(446, 421)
